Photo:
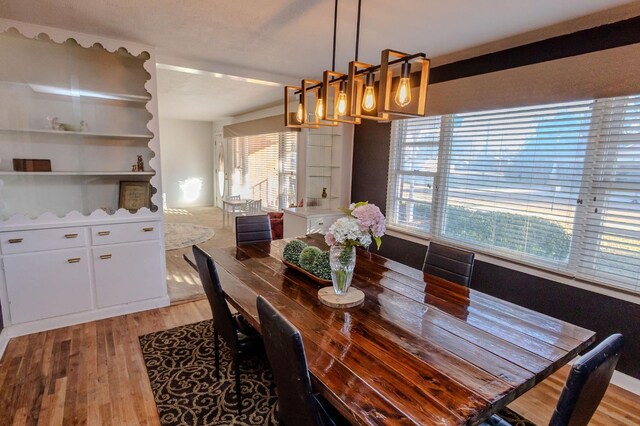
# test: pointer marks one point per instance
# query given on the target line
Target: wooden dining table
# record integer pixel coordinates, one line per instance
(420, 350)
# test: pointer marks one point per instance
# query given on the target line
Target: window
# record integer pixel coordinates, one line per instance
(556, 186)
(412, 171)
(265, 168)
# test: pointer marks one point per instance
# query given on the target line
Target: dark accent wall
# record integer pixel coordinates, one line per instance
(602, 314)
(607, 36)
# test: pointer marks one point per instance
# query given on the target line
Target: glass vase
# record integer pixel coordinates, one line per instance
(342, 260)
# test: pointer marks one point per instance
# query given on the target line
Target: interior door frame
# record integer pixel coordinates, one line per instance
(219, 143)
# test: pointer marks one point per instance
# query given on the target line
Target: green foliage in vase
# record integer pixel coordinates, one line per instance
(308, 256)
(292, 251)
(321, 267)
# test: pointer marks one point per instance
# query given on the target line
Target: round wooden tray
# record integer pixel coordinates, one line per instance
(354, 297)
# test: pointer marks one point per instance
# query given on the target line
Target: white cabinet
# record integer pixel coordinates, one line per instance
(47, 284)
(52, 274)
(302, 221)
(88, 105)
(127, 273)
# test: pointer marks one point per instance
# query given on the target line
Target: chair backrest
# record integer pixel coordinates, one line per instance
(449, 263)
(587, 383)
(233, 197)
(222, 317)
(254, 207)
(296, 403)
(253, 229)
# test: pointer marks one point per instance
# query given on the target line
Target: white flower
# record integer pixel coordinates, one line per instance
(347, 228)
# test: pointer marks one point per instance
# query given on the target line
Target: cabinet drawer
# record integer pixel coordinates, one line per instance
(125, 233)
(47, 284)
(321, 224)
(42, 239)
(128, 273)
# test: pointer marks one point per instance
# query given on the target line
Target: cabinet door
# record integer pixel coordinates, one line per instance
(47, 284)
(128, 272)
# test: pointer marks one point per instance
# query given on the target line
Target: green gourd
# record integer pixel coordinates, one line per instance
(292, 251)
(308, 256)
(321, 267)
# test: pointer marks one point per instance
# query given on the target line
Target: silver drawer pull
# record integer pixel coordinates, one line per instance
(103, 233)
(71, 235)
(105, 256)
(147, 229)
(15, 240)
(73, 260)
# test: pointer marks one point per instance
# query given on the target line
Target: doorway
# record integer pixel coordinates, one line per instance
(220, 173)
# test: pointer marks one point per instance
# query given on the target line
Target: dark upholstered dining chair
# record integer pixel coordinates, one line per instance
(241, 338)
(297, 405)
(585, 386)
(449, 263)
(253, 229)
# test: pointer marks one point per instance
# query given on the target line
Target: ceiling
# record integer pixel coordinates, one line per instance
(284, 40)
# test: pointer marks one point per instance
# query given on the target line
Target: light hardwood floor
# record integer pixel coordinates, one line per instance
(94, 373)
(184, 284)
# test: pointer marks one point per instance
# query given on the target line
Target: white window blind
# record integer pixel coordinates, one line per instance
(412, 169)
(514, 180)
(610, 250)
(267, 168)
(556, 186)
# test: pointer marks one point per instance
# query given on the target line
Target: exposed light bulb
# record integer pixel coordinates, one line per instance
(403, 93)
(319, 108)
(369, 96)
(299, 113)
(341, 103)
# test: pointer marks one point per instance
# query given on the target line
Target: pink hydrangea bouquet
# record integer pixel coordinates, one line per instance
(363, 224)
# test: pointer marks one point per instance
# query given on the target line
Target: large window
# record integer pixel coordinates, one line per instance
(265, 168)
(556, 186)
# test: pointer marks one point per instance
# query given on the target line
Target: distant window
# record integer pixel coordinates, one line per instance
(556, 186)
(266, 168)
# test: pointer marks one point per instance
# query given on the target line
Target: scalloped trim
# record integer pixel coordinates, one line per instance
(60, 36)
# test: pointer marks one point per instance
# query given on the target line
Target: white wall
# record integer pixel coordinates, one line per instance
(187, 159)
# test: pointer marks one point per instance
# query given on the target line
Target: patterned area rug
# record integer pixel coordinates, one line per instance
(181, 368)
(179, 235)
(180, 365)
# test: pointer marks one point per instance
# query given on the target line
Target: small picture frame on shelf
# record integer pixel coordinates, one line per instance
(134, 195)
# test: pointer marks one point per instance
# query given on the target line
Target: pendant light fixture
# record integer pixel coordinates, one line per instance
(348, 98)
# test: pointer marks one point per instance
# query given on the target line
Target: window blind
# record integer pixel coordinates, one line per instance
(412, 169)
(514, 179)
(555, 186)
(268, 168)
(610, 250)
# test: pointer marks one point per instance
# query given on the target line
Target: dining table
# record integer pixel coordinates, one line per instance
(419, 350)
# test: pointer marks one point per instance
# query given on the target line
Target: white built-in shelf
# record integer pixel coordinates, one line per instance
(322, 198)
(80, 93)
(13, 173)
(80, 134)
(319, 176)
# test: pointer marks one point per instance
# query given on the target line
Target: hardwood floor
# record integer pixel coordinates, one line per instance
(94, 373)
(183, 283)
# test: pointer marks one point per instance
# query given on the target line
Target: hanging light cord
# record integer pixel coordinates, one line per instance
(335, 27)
(358, 28)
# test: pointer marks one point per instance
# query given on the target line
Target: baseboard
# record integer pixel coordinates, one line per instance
(4, 341)
(82, 317)
(626, 382)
